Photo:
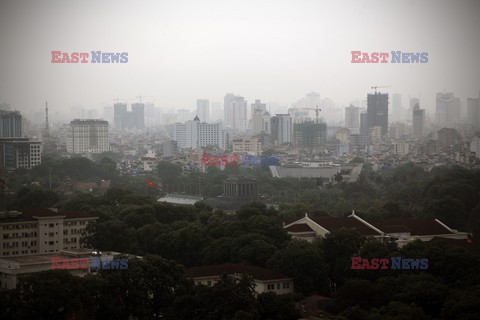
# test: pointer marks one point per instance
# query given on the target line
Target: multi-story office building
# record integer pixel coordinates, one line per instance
(282, 128)
(310, 135)
(352, 119)
(447, 137)
(258, 105)
(397, 114)
(377, 111)
(473, 111)
(10, 124)
(119, 114)
(364, 124)
(194, 134)
(401, 148)
(447, 109)
(235, 109)
(251, 146)
(260, 122)
(138, 116)
(418, 122)
(20, 153)
(88, 136)
(203, 110)
(41, 231)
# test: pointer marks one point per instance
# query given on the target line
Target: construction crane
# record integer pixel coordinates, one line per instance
(317, 111)
(140, 97)
(375, 87)
(121, 99)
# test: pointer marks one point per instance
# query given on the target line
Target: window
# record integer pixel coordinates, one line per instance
(209, 283)
(278, 286)
(286, 285)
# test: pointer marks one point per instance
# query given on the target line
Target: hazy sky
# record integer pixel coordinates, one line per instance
(180, 51)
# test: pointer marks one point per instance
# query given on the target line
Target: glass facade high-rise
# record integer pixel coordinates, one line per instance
(377, 111)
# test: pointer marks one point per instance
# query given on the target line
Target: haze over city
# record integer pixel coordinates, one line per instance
(277, 51)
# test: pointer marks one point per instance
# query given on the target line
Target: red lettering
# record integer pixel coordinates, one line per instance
(56, 263)
(65, 58)
(355, 55)
(55, 58)
(224, 161)
(374, 264)
(74, 264)
(375, 57)
(205, 158)
(75, 57)
(83, 263)
(234, 161)
(65, 264)
(384, 56)
(384, 262)
(365, 264)
(84, 56)
(365, 58)
(355, 263)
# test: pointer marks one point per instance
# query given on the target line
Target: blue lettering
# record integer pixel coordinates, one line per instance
(123, 264)
(415, 264)
(396, 262)
(424, 57)
(106, 264)
(115, 57)
(424, 263)
(95, 263)
(124, 57)
(415, 57)
(406, 57)
(406, 263)
(106, 57)
(396, 56)
(96, 56)
(115, 264)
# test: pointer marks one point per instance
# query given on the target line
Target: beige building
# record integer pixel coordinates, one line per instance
(39, 231)
(250, 146)
(264, 279)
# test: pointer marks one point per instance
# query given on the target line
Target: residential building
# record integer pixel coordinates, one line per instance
(401, 148)
(352, 119)
(473, 111)
(10, 124)
(20, 153)
(377, 111)
(447, 137)
(265, 280)
(282, 128)
(137, 116)
(235, 109)
(88, 136)
(475, 146)
(447, 109)
(119, 114)
(42, 231)
(418, 122)
(310, 135)
(247, 146)
(203, 110)
(194, 134)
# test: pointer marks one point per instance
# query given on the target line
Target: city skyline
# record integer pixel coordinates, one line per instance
(179, 54)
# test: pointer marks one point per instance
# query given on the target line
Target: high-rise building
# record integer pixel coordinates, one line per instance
(447, 109)
(138, 115)
(250, 146)
(282, 128)
(119, 114)
(150, 118)
(473, 111)
(217, 112)
(183, 115)
(447, 137)
(418, 122)
(10, 124)
(235, 109)
(88, 136)
(194, 134)
(397, 114)
(377, 111)
(352, 119)
(20, 153)
(413, 102)
(258, 105)
(310, 135)
(203, 110)
(363, 124)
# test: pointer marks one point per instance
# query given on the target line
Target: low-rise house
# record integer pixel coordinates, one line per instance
(264, 279)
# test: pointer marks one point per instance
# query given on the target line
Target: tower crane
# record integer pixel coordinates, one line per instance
(317, 111)
(375, 88)
(140, 97)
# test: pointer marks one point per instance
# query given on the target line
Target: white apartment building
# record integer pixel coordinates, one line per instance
(88, 136)
(38, 231)
(250, 146)
(194, 134)
(401, 148)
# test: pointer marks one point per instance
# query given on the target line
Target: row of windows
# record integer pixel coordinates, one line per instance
(285, 285)
(19, 235)
(19, 226)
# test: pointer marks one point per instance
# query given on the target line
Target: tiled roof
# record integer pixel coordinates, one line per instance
(300, 227)
(29, 214)
(234, 268)
(417, 227)
(336, 223)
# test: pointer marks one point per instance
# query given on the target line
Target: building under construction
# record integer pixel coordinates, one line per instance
(310, 135)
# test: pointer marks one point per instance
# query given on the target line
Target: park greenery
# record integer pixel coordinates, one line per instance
(172, 238)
